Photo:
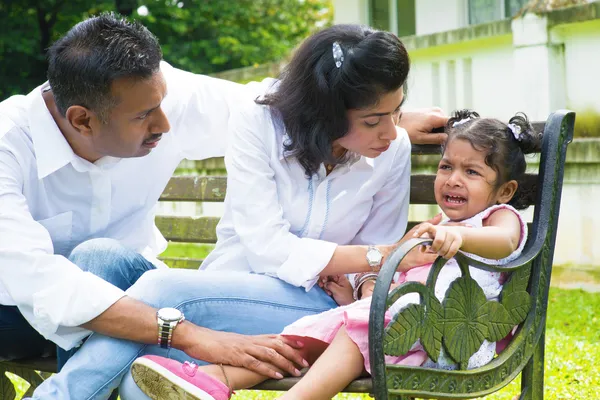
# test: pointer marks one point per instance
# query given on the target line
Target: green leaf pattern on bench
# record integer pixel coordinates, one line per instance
(463, 322)
(404, 332)
(431, 336)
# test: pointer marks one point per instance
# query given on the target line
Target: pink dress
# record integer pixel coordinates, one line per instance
(355, 317)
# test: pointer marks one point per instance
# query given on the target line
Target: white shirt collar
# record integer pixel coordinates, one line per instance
(52, 151)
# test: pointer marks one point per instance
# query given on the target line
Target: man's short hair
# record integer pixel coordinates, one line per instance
(84, 63)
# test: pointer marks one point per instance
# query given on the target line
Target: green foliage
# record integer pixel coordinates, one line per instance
(211, 36)
(587, 124)
(201, 36)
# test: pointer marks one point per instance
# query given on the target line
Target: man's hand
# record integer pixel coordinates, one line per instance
(338, 287)
(268, 355)
(420, 123)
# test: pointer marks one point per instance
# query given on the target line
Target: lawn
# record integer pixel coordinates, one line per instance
(572, 351)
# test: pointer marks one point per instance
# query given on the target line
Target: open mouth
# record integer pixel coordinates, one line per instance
(458, 200)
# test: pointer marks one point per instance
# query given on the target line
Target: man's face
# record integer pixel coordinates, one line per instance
(136, 123)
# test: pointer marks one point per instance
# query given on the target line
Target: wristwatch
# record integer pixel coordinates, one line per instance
(374, 258)
(167, 319)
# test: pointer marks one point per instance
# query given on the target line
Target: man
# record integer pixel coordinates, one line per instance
(83, 160)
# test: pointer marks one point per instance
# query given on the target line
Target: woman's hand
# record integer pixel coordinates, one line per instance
(447, 240)
(418, 255)
(420, 123)
(338, 287)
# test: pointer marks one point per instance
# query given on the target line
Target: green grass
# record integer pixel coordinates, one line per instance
(572, 351)
(187, 250)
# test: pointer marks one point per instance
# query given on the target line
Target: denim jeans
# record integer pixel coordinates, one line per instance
(225, 301)
(105, 258)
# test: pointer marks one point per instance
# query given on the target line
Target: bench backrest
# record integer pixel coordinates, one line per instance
(213, 188)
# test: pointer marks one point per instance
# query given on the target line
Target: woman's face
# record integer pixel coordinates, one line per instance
(372, 129)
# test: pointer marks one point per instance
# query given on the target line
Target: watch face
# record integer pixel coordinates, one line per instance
(374, 256)
(169, 314)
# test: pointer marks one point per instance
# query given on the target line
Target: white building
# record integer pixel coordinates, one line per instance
(473, 54)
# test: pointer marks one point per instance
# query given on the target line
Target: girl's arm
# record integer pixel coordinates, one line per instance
(497, 239)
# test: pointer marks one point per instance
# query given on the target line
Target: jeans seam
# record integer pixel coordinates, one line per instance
(247, 301)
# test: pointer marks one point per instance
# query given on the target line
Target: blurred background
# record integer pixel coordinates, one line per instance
(498, 57)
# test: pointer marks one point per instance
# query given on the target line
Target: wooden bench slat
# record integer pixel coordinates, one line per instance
(188, 229)
(363, 385)
(213, 188)
(195, 188)
(183, 263)
(46, 364)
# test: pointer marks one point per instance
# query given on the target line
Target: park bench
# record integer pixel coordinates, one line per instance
(458, 325)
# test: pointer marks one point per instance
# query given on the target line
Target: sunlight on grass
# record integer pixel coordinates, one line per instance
(572, 352)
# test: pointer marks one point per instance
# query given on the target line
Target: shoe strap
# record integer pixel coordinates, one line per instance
(231, 392)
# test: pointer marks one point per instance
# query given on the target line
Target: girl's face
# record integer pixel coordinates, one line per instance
(372, 129)
(465, 185)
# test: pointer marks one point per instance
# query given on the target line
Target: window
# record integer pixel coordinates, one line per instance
(396, 16)
(482, 11)
(380, 14)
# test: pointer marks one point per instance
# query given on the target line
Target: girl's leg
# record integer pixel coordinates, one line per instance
(235, 302)
(325, 378)
(241, 378)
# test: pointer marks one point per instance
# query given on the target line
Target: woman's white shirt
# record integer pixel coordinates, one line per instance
(280, 223)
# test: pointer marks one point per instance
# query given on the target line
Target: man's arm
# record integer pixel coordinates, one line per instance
(133, 320)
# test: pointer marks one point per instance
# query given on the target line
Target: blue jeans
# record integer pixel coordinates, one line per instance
(105, 258)
(225, 301)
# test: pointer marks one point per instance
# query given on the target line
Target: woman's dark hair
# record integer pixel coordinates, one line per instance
(314, 94)
(505, 145)
(84, 63)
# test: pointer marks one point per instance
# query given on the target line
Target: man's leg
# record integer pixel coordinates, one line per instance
(18, 339)
(227, 301)
(109, 260)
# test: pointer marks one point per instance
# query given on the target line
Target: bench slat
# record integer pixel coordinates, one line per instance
(196, 230)
(363, 385)
(188, 229)
(213, 188)
(195, 188)
(183, 263)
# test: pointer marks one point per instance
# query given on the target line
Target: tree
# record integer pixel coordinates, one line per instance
(201, 36)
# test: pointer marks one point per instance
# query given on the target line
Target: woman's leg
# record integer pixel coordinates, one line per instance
(226, 301)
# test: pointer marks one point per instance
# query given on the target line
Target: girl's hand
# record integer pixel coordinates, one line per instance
(339, 288)
(366, 290)
(447, 240)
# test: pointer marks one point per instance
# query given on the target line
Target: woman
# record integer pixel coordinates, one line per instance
(318, 186)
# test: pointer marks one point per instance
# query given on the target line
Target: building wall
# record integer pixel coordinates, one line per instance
(351, 11)
(438, 16)
(582, 64)
(477, 77)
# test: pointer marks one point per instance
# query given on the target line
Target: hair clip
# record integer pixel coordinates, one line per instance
(462, 121)
(338, 54)
(516, 131)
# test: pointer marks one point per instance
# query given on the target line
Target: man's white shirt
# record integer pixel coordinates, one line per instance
(51, 200)
(280, 223)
